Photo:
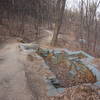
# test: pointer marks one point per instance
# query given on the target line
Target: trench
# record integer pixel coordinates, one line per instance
(68, 68)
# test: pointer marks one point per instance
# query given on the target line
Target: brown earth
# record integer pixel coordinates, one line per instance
(13, 83)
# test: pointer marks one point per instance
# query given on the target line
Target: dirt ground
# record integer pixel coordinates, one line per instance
(13, 83)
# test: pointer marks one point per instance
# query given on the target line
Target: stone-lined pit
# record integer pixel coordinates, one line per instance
(60, 74)
(68, 69)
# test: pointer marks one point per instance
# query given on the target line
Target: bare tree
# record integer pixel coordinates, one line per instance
(88, 22)
(81, 22)
(96, 26)
(60, 12)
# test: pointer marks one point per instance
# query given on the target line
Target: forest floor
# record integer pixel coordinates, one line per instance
(13, 82)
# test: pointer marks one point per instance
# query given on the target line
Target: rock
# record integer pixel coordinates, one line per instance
(52, 92)
(60, 90)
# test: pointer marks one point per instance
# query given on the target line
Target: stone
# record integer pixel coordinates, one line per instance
(52, 92)
(60, 90)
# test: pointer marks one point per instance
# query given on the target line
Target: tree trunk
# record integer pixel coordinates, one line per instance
(96, 35)
(58, 23)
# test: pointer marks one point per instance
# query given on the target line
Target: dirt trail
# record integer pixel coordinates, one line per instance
(47, 37)
(13, 83)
